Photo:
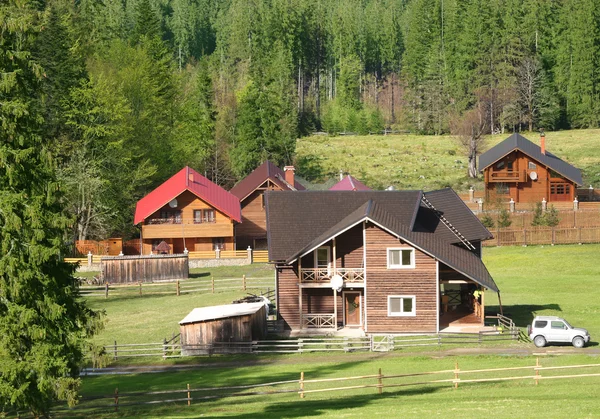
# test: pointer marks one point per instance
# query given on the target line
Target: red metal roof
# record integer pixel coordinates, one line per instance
(349, 183)
(188, 179)
(265, 171)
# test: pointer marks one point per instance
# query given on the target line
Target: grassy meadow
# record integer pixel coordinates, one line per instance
(427, 162)
(559, 280)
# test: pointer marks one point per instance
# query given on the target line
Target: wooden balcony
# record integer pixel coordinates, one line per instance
(508, 176)
(324, 275)
(319, 321)
(183, 228)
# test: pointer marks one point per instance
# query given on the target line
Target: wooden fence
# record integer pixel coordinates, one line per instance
(379, 382)
(566, 219)
(148, 268)
(206, 285)
(544, 235)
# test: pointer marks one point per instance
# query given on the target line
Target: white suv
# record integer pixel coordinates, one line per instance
(547, 329)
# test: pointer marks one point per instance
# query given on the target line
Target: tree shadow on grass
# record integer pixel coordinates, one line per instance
(523, 314)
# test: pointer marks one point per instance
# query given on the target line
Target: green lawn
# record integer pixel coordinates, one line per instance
(534, 280)
(427, 162)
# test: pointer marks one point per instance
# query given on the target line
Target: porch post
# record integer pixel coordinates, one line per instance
(300, 305)
(482, 306)
(334, 256)
(335, 308)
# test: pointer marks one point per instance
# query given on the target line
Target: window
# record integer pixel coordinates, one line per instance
(540, 324)
(531, 165)
(218, 243)
(401, 258)
(509, 165)
(322, 257)
(197, 216)
(502, 188)
(401, 305)
(209, 215)
(558, 325)
(500, 165)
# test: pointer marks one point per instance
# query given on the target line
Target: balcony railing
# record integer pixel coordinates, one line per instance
(319, 321)
(176, 220)
(509, 176)
(325, 274)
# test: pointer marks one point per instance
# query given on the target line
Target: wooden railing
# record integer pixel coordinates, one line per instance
(319, 321)
(508, 176)
(353, 275)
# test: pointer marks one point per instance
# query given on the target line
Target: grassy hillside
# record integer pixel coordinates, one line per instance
(427, 162)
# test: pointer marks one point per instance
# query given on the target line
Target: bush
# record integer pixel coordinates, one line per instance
(504, 220)
(487, 221)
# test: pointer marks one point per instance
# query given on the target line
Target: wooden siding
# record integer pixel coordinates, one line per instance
(349, 248)
(243, 328)
(382, 282)
(130, 269)
(527, 190)
(287, 296)
(254, 217)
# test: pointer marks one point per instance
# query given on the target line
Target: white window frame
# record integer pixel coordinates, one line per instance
(412, 258)
(412, 313)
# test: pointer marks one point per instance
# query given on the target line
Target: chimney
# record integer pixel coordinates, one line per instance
(191, 177)
(543, 141)
(289, 175)
(341, 175)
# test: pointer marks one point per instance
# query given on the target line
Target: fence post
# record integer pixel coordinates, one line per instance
(302, 385)
(244, 282)
(212, 280)
(456, 371)
(106, 290)
(580, 236)
(90, 258)
(553, 235)
(300, 345)
(115, 351)
(250, 259)
(178, 289)
(164, 348)
(346, 344)
(380, 380)
(140, 282)
(537, 372)
(116, 399)
(498, 236)
(188, 394)
(524, 237)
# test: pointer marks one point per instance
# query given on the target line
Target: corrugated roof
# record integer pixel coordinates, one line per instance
(300, 223)
(264, 172)
(200, 186)
(349, 183)
(518, 142)
(220, 312)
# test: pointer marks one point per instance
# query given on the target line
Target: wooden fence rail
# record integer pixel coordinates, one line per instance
(205, 285)
(542, 236)
(303, 386)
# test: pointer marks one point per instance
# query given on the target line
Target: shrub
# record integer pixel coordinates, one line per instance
(487, 221)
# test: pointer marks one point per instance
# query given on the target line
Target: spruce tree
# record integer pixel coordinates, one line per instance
(43, 323)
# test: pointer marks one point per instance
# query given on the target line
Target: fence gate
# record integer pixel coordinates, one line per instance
(382, 343)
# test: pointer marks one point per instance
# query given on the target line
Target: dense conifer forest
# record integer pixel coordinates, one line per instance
(132, 90)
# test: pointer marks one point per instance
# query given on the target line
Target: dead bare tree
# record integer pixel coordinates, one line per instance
(529, 88)
(470, 128)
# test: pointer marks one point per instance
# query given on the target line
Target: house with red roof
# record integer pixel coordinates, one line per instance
(250, 192)
(188, 211)
(349, 183)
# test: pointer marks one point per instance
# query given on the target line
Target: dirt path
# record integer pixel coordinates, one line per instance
(196, 363)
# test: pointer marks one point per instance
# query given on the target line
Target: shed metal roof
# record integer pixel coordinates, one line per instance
(221, 312)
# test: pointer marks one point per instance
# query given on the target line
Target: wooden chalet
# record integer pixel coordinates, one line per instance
(349, 183)
(381, 261)
(519, 169)
(250, 191)
(188, 211)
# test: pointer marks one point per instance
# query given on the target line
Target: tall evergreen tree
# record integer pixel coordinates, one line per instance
(43, 323)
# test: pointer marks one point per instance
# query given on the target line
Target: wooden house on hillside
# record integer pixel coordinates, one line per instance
(188, 211)
(250, 191)
(519, 169)
(349, 183)
(380, 261)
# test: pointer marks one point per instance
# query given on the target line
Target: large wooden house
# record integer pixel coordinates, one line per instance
(381, 261)
(519, 169)
(187, 211)
(250, 191)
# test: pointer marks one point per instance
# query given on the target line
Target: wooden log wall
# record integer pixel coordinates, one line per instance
(287, 296)
(349, 248)
(131, 269)
(382, 282)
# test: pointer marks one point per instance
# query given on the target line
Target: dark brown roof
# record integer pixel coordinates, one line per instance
(518, 142)
(300, 222)
(264, 172)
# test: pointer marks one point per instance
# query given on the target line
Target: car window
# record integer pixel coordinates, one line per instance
(558, 325)
(540, 324)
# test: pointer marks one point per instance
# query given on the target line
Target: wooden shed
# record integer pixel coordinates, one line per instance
(204, 327)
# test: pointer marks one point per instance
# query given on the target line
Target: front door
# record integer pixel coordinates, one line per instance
(352, 316)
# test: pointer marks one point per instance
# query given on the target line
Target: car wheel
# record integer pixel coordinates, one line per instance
(578, 342)
(539, 341)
